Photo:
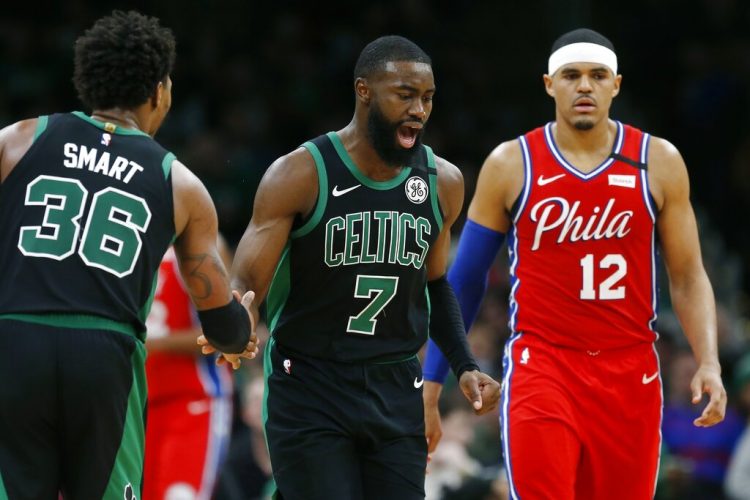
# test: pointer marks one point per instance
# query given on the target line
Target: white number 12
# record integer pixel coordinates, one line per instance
(607, 289)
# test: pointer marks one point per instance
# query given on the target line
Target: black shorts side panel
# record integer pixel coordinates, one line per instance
(66, 422)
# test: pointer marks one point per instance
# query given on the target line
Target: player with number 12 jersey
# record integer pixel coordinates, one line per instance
(581, 243)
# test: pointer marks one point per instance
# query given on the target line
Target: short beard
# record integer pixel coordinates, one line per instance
(382, 135)
(584, 125)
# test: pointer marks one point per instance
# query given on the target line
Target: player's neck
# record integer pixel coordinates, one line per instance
(585, 149)
(600, 137)
(124, 118)
(363, 154)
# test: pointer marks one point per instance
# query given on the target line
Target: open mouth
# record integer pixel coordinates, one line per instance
(407, 134)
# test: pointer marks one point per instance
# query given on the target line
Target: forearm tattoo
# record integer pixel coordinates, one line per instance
(200, 269)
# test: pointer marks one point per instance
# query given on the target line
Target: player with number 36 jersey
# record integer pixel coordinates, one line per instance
(89, 203)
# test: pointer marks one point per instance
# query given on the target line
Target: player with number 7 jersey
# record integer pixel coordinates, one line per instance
(351, 260)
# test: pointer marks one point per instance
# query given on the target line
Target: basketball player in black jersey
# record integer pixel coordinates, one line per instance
(348, 245)
(88, 206)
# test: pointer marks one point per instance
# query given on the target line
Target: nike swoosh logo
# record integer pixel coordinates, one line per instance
(542, 181)
(418, 383)
(337, 192)
(648, 380)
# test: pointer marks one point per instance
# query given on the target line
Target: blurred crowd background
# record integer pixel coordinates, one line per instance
(253, 80)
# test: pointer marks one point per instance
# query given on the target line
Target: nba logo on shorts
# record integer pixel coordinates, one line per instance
(525, 356)
(128, 494)
(416, 190)
(288, 366)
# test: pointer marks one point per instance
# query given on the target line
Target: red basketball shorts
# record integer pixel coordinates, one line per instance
(186, 441)
(580, 425)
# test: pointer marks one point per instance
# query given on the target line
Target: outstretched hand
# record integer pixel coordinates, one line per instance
(481, 390)
(251, 349)
(707, 380)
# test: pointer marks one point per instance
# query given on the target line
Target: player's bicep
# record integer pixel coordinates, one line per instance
(678, 235)
(283, 195)
(201, 266)
(259, 251)
(451, 199)
(676, 224)
(437, 257)
(498, 186)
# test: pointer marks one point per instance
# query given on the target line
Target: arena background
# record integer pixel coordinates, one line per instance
(255, 79)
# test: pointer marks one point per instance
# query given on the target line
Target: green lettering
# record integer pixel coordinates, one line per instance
(352, 238)
(405, 222)
(423, 228)
(333, 259)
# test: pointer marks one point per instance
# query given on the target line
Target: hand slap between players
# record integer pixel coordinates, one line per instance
(481, 390)
(251, 349)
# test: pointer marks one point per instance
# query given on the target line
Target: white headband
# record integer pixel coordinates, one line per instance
(582, 52)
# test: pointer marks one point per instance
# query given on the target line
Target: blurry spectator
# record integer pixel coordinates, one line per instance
(703, 453)
(737, 484)
(246, 475)
(450, 465)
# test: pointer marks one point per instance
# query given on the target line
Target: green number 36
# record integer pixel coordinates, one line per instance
(111, 238)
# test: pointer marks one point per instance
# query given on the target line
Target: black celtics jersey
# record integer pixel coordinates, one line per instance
(351, 283)
(86, 217)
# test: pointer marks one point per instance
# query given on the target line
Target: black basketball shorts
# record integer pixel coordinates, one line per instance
(343, 430)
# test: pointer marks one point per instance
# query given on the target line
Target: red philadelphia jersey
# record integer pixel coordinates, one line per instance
(583, 246)
(179, 375)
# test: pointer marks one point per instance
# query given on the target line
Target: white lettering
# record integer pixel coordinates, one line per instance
(622, 180)
(78, 156)
(69, 150)
(619, 228)
(542, 226)
(118, 167)
(87, 157)
(571, 223)
(134, 168)
(102, 167)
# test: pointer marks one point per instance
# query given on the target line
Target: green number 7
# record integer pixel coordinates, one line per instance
(384, 288)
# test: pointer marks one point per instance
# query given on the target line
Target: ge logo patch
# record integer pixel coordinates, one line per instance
(416, 190)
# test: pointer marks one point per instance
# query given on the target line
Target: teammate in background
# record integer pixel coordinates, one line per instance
(89, 205)
(345, 259)
(585, 200)
(189, 396)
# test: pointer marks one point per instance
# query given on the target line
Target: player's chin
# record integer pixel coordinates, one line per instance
(583, 123)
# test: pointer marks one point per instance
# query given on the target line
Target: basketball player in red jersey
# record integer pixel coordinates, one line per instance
(189, 396)
(584, 201)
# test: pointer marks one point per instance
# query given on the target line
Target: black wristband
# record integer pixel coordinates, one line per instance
(447, 327)
(227, 328)
(466, 368)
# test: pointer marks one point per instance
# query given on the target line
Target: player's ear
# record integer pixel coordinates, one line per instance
(158, 95)
(618, 81)
(362, 90)
(548, 85)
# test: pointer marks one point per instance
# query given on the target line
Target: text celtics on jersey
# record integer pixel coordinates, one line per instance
(377, 237)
